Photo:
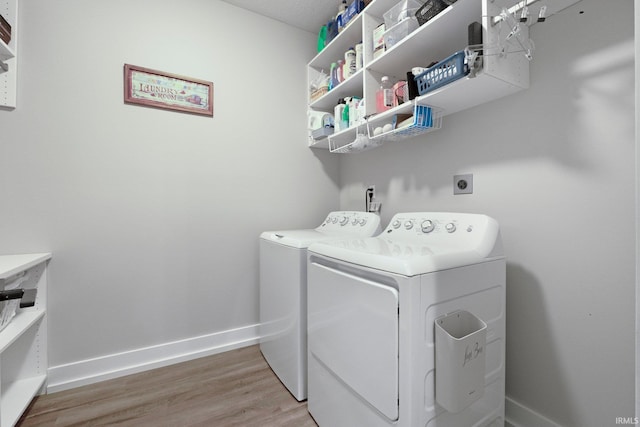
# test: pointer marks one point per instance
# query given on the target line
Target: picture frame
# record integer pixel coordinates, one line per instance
(159, 89)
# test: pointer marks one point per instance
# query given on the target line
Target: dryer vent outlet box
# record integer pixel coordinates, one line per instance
(463, 184)
(460, 360)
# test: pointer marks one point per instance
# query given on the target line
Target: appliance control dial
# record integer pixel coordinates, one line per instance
(335, 219)
(427, 226)
(363, 221)
(354, 221)
(408, 225)
(344, 220)
(451, 227)
(396, 224)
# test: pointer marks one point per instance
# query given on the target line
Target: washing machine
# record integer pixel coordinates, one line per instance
(376, 311)
(283, 291)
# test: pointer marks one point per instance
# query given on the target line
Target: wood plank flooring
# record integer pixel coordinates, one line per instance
(236, 388)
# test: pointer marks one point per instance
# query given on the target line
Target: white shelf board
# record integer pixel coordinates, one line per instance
(432, 41)
(467, 93)
(17, 396)
(322, 143)
(20, 324)
(14, 264)
(5, 51)
(348, 37)
(350, 87)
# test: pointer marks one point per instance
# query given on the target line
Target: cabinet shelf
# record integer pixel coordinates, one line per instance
(446, 33)
(348, 37)
(350, 87)
(431, 42)
(17, 396)
(6, 52)
(23, 341)
(21, 323)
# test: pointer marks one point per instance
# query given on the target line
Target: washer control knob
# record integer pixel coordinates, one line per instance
(427, 226)
(363, 221)
(354, 221)
(344, 220)
(408, 225)
(451, 227)
(396, 224)
(335, 219)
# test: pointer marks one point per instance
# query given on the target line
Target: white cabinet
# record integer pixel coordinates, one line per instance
(8, 56)
(23, 342)
(447, 33)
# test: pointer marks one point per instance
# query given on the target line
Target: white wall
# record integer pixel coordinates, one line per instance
(153, 216)
(555, 166)
(636, 4)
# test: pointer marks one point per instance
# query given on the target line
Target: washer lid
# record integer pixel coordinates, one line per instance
(419, 243)
(337, 225)
(300, 238)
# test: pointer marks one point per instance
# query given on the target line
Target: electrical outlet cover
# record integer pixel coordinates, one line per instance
(463, 184)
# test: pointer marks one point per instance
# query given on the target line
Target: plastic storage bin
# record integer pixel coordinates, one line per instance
(401, 11)
(444, 72)
(460, 359)
(399, 31)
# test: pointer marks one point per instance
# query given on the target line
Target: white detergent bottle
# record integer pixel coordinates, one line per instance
(337, 114)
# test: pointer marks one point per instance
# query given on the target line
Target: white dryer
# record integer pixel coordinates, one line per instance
(373, 307)
(283, 291)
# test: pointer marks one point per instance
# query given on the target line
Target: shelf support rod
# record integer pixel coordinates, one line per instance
(514, 9)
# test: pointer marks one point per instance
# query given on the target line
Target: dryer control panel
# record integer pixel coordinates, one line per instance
(418, 224)
(421, 242)
(352, 222)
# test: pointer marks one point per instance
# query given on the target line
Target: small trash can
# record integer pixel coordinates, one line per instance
(460, 359)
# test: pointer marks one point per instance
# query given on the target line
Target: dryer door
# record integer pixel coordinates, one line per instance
(353, 333)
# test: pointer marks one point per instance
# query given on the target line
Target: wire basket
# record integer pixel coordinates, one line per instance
(425, 119)
(444, 72)
(431, 8)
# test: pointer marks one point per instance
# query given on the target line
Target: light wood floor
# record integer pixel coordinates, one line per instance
(236, 388)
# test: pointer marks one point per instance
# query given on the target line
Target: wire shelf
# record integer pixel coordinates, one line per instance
(425, 119)
(406, 121)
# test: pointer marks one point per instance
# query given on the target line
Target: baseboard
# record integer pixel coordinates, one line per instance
(518, 415)
(107, 367)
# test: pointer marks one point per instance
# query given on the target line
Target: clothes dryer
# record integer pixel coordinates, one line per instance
(283, 291)
(374, 305)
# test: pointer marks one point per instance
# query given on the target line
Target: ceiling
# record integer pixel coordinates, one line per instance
(311, 15)
(304, 14)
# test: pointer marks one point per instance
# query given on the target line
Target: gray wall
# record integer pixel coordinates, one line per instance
(153, 216)
(555, 166)
(636, 4)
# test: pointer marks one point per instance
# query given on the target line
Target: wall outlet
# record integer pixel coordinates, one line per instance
(463, 184)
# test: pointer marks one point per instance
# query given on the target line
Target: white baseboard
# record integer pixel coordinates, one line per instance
(518, 415)
(107, 367)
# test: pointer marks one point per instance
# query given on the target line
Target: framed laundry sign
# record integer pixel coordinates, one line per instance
(153, 88)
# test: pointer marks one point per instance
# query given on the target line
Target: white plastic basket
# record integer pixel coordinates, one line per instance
(460, 359)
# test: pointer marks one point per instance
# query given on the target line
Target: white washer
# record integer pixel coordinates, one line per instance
(283, 291)
(372, 304)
